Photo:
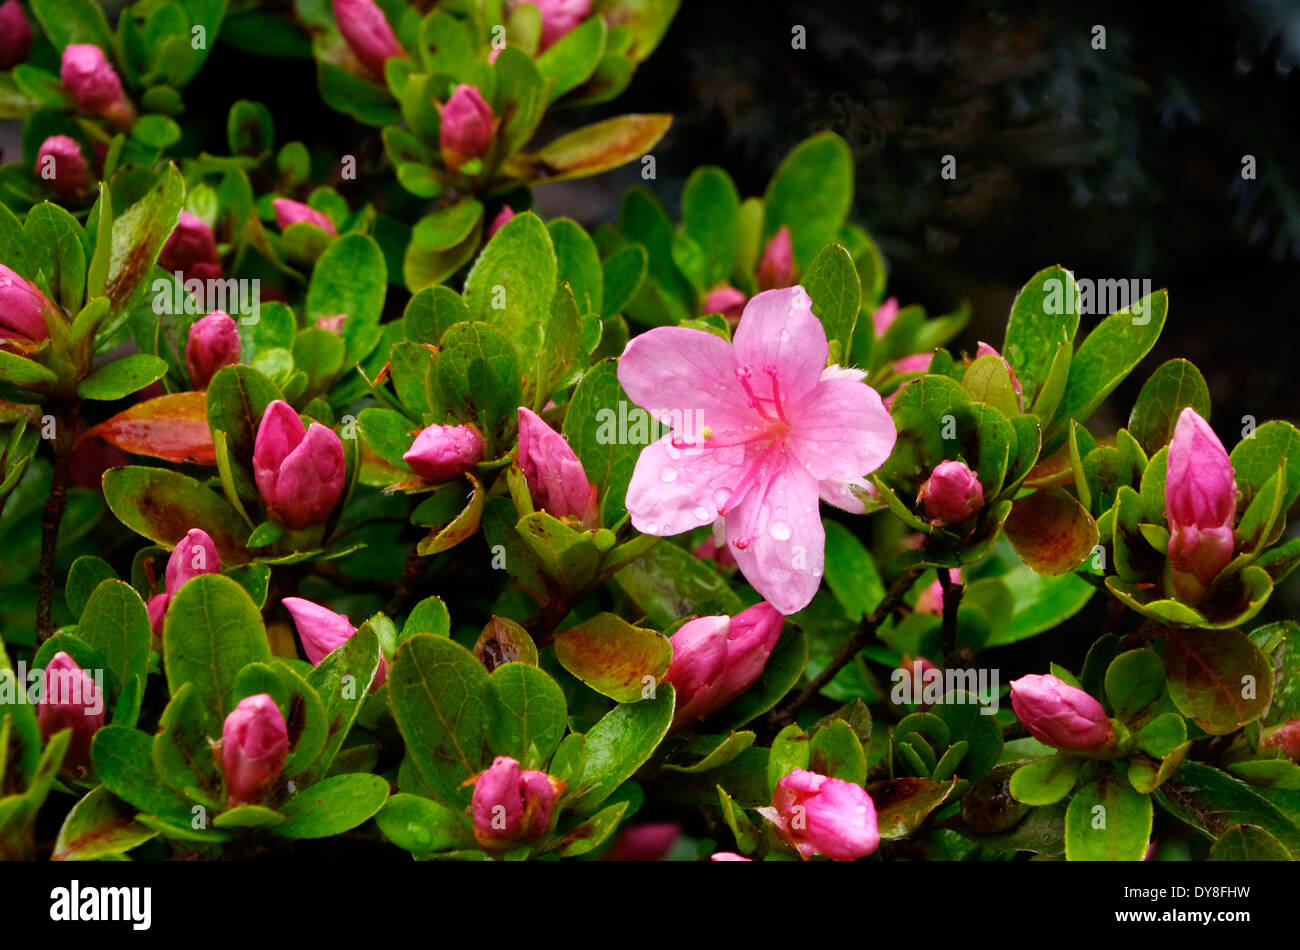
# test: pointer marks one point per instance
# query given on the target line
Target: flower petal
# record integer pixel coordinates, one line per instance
(841, 430)
(778, 329)
(786, 548)
(687, 374)
(674, 490)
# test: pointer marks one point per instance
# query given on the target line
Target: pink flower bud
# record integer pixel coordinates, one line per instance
(1200, 504)
(728, 856)
(776, 269)
(323, 631)
(93, 82)
(289, 212)
(556, 481)
(333, 324)
(157, 608)
(715, 659)
(15, 35)
(1060, 715)
(816, 814)
(503, 217)
(191, 249)
(466, 126)
(983, 349)
(194, 554)
(559, 17)
(254, 745)
(645, 842)
(70, 700)
(367, 33)
(299, 474)
(441, 453)
(916, 363)
(59, 162)
(710, 550)
(931, 599)
(22, 308)
(915, 670)
(726, 300)
(213, 343)
(1285, 737)
(510, 804)
(951, 494)
(883, 317)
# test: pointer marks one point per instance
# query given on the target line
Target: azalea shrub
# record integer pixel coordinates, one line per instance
(344, 494)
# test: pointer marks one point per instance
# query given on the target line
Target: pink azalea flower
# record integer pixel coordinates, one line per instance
(777, 431)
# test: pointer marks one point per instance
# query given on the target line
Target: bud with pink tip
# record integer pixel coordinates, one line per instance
(289, 212)
(94, 84)
(191, 248)
(728, 856)
(59, 163)
(559, 18)
(556, 480)
(510, 804)
(983, 349)
(254, 745)
(776, 269)
(726, 300)
(70, 700)
(213, 343)
(1061, 715)
(816, 814)
(194, 554)
(441, 453)
(323, 631)
(717, 658)
(22, 308)
(504, 216)
(466, 126)
(299, 474)
(1285, 737)
(951, 494)
(883, 317)
(332, 324)
(15, 35)
(1200, 504)
(367, 33)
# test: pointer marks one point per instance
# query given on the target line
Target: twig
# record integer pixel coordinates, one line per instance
(411, 573)
(52, 517)
(780, 718)
(952, 593)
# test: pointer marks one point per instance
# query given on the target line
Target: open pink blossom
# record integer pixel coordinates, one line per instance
(762, 429)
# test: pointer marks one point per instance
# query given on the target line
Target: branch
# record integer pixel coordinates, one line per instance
(780, 718)
(952, 593)
(52, 516)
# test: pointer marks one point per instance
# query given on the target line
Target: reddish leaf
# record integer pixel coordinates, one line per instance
(1051, 531)
(1218, 678)
(591, 150)
(173, 427)
(902, 804)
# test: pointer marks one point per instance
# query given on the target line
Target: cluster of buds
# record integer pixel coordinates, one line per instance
(299, 474)
(1062, 716)
(254, 746)
(715, 659)
(511, 804)
(323, 631)
(194, 554)
(817, 814)
(555, 477)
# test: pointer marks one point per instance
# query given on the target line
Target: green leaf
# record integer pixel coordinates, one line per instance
(122, 377)
(1044, 317)
(591, 425)
(578, 263)
(124, 763)
(613, 657)
(86, 574)
(1174, 386)
(711, 217)
(573, 58)
(624, 272)
(423, 826)
(73, 21)
(591, 833)
(724, 750)
(162, 506)
(780, 674)
(1109, 353)
(182, 752)
(332, 806)
(213, 629)
(350, 278)
(54, 246)
(512, 284)
(810, 194)
(837, 752)
(116, 624)
(1255, 460)
(138, 236)
(1212, 802)
(478, 373)
(439, 695)
(25, 373)
(1219, 679)
(987, 381)
(832, 283)
(342, 681)
(1134, 680)
(790, 750)
(1107, 821)
(1046, 781)
(528, 712)
(99, 826)
(1248, 843)
(851, 572)
(618, 744)
(903, 804)
(668, 583)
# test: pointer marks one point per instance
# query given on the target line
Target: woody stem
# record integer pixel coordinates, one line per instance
(780, 718)
(52, 515)
(952, 592)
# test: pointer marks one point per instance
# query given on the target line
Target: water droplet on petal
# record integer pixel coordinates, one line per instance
(785, 336)
(668, 474)
(779, 530)
(701, 512)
